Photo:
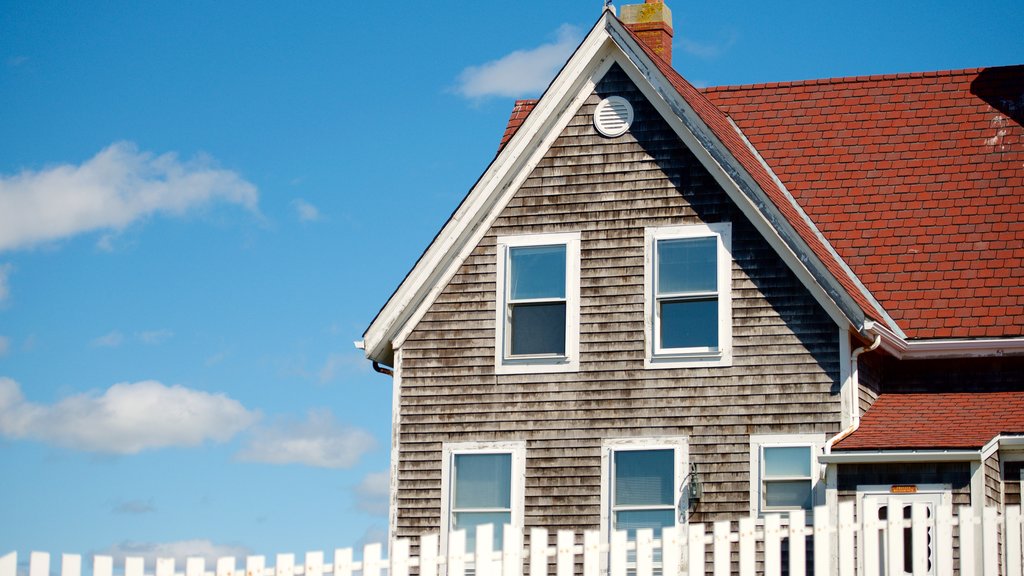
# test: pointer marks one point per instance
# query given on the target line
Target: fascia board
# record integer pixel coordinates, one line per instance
(471, 220)
(903, 349)
(893, 456)
(739, 185)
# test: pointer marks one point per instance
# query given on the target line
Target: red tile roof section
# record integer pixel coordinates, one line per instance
(917, 180)
(520, 111)
(936, 421)
(719, 124)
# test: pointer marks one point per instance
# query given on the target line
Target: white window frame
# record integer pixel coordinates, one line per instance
(518, 481)
(570, 362)
(680, 446)
(758, 442)
(655, 357)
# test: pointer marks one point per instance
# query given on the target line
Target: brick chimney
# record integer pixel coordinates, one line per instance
(652, 23)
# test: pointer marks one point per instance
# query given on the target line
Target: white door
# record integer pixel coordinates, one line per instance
(877, 506)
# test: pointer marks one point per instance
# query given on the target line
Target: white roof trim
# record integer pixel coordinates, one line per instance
(887, 456)
(607, 43)
(905, 349)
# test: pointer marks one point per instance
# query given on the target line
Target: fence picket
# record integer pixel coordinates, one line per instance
(990, 541)
(944, 535)
(722, 548)
(565, 559)
(196, 567)
(695, 547)
(671, 551)
(456, 554)
(134, 566)
(399, 560)
(644, 552)
(70, 565)
(483, 561)
(39, 564)
(846, 527)
(9, 564)
(254, 565)
(225, 567)
(284, 565)
(371, 560)
(617, 554)
(165, 567)
(591, 553)
(822, 543)
(312, 564)
(512, 557)
(772, 545)
(965, 518)
(428, 556)
(748, 545)
(1012, 546)
(102, 566)
(538, 552)
(797, 543)
(894, 536)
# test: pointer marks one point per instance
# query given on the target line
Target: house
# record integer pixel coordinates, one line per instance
(663, 304)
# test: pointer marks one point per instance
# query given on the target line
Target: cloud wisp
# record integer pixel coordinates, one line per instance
(110, 191)
(179, 550)
(5, 272)
(111, 339)
(305, 211)
(709, 50)
(372, 493)
(127, 418)
(134, 507)
(519, 73)
(318, 441)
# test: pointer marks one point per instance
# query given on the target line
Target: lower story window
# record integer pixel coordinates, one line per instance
(643, 484)
(483, 487)
(784, 472)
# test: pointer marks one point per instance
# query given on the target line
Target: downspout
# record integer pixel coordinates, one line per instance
(385, 371)
(854, 387)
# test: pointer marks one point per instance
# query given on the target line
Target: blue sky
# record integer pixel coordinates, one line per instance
(203, 204)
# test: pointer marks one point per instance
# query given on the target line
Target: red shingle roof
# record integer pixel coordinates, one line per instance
(937, 420)
(917, 180)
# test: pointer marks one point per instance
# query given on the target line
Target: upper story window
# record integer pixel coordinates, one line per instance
(688, 273)
(784, 472)
(537, 303)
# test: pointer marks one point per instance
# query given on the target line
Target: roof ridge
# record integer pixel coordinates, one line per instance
(850, 79)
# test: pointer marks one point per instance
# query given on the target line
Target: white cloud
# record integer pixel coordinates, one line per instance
(305, 211)
(318, 441)
(523, 72)
(114, 188)
(109, 340)
(155, 336)
(372, 493)
(5, 272)
(374, 534)
(5, 345)
(179, 550)
(134, 507)
(127, 418)
(352, 362)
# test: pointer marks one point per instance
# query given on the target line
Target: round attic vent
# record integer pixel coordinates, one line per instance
(613, 116)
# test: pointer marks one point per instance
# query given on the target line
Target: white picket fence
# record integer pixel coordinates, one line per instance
(845, 548)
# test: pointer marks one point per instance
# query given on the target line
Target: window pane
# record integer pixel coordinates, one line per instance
(483, 480)
(689, 324)
(468, 521)
(644, 477)
(688, 265)
(633, 520)
(537, 272)
(789, 494)
(538, 329)
(787, 461)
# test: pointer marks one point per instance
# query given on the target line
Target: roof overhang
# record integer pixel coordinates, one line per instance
(607, 43)
(904, 349)
(897, 456)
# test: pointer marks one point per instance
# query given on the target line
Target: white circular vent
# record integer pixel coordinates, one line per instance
(613, 116)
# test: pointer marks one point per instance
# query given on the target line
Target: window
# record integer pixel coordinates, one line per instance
(537, 303)
(482, 484)
(688, 272)
(642, 484)
(784, 472)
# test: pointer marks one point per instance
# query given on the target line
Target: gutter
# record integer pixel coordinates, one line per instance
(361, 345)
(888, 456)
(904, 349)
(854, 387)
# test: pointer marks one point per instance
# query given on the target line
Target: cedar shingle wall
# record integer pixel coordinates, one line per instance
(785, 370)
